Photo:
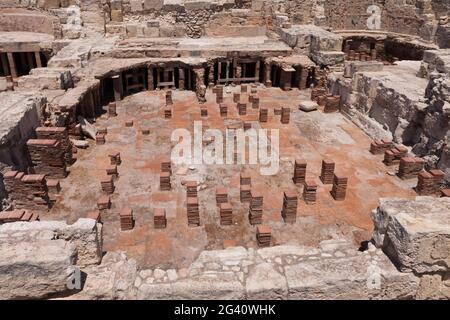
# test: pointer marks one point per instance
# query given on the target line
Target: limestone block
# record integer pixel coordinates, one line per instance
(197, 5)
(34, 270)
(136, 5)
(116, 29)
(84, 234)
(116, 15)
(113, 279)
(326, 41)
(153, 4)
(414, 234)
(434, 287)
(151, 32)
(264, 281)
(352, 67)
(172, 30)
(132, 30)
(328, 58)
(116, 4)
(46, 78)
(363, 276)
(49, 4)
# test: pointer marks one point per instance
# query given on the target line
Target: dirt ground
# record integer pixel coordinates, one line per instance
(311, 136)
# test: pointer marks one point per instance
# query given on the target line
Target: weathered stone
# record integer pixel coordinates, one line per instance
(35, 270)
(264, 282)
(415, 234)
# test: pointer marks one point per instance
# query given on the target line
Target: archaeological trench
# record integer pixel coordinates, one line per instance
(91, 92)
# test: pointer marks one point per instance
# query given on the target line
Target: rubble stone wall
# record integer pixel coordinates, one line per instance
(411, 262)
(418, 120)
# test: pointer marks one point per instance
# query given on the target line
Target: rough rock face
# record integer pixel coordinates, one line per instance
(85, 235)
(33, 270)
(412, 110)
(415, 234)
(335, 271)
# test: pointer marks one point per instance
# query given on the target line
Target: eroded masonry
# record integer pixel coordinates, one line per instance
(355, 96)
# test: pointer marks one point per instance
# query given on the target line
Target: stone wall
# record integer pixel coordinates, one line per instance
(412, 262)
(335, 270)
(38, 258)
(416, 237)
(409, 114)
(20, 115)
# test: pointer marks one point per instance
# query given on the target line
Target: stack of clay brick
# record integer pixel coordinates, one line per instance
(430, 182)
(247, 125)
(410, 167)
(327, 173)
(47, 157)
(380, 146)
(203, 111)
(112, 109)
(111, 170)
(226, 214)
(242, 108)
(53, 187)
(114, 158)
(169, 100)
(263, 236)
(166, 165)
(167, 112)
(223, 110)
(164, 181)
(352, 55)
(339, 189)
(18, 215)
(159, 218)
(332, 104)
(218, 90)
(107, 184)
(236, 97)
(244, 88)
(310, 191)
(164, 176)
(318, 92)
(393, 155)
(256, 208)
(100, 136)
(299, 171)
(290, 203)
(126, 219)
(27, 191)
(255, 102)
(221, 195)
(62, 135)
(191, 189)
(285, 115)
(321, 77)
(263, 113)
(245, 189)
(103, 203)
(193, 213)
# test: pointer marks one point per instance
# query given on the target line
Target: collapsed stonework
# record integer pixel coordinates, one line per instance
(38, 259)
(334, 270)
(91, 91)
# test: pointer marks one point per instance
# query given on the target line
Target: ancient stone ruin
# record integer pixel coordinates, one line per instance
(224, 149)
